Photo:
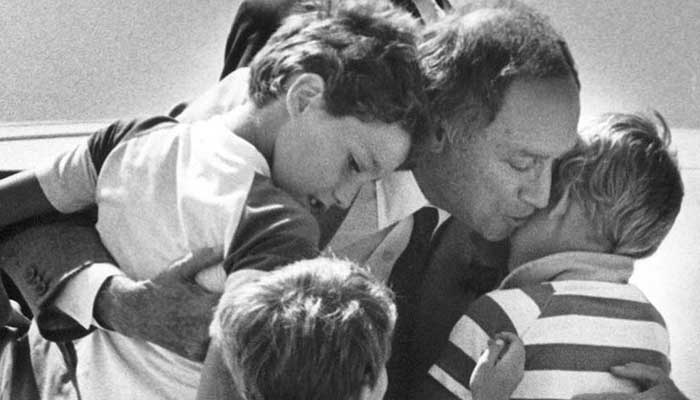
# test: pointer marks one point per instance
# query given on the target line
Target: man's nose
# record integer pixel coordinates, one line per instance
(536, 192)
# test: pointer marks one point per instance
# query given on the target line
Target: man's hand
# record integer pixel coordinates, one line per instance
(500, 368)
(170, 310)
(657, 385)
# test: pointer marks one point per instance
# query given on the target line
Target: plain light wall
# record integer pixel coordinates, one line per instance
(84, 60)
(634, 54)
(105, 59)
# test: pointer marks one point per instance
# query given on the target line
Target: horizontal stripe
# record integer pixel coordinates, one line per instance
(598, 331)
(574, 357)
(565, 384)
(450, 384)
(601, 307)
(468, 337)
(520, 307)
(458, 365)
(540, 293)
(606, 290)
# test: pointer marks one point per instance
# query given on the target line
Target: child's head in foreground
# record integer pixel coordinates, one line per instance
(618, 192)
(316, 329)
(347, 76)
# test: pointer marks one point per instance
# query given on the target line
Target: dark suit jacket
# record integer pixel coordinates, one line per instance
(257, 20)
(40, 255)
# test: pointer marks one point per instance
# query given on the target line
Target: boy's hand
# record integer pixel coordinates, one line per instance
(170, 310)
(500, 368)
(657, 385)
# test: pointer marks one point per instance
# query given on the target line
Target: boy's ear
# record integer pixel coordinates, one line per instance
(304, 90)
(366, 393)
(559, 210)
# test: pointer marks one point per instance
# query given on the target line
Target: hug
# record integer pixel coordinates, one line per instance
(359, 132)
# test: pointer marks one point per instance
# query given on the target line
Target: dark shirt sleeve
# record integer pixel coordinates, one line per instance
(274, 230)
(102, 142)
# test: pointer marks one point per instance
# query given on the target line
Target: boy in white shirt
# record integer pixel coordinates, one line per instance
(335, 100)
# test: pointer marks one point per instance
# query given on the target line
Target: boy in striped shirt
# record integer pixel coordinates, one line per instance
(615, 197)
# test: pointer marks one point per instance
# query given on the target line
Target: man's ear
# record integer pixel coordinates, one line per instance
(305, 90)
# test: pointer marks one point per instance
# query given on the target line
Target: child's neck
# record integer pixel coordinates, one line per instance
(258, 126)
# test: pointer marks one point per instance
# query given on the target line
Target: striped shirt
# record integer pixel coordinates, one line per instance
(574, 325)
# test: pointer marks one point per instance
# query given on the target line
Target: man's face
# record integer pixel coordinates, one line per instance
(323, 160)
(533, 240)
(498, 177)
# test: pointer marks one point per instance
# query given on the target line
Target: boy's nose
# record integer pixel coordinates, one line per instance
(345, 193)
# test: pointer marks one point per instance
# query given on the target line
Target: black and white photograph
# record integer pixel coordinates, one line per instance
(349, 199)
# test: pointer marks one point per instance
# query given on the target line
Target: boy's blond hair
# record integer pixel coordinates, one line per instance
(316, 329)
(626, 179)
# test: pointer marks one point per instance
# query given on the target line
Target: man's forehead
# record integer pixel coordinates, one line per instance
(539, 144)
(539, 117)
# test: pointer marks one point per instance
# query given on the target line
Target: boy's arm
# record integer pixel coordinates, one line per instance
(67, 185)
(21, 198)
(274, 230)
(449, 376)
(173, 311)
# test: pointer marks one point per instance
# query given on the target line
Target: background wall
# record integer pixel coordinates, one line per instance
(84, 60)
(106, 59)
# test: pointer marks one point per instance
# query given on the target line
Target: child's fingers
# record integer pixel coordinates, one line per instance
(643, 374)
(508, 337)
(512, 357)
(493, 351)
(514, 347)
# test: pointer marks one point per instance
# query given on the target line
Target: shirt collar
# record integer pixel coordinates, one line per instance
(573, 265)
(398, 197)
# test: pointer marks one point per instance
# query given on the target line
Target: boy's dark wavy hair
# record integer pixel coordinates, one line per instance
(366, 52)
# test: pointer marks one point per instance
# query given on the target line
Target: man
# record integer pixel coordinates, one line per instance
(488, 163)
(568, 294)
(376, 247)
